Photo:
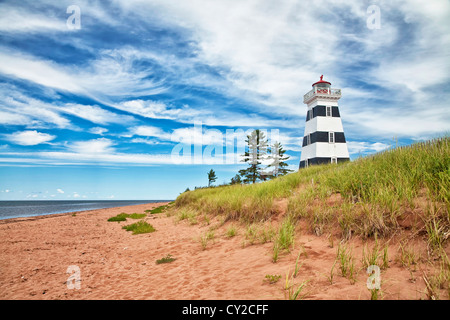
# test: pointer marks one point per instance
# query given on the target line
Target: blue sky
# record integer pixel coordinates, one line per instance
(96, 112)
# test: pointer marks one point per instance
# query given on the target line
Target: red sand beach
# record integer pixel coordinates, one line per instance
(36, 252)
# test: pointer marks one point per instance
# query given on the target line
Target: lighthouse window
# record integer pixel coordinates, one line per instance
(331, 137)
(328, 111)
(308, 139)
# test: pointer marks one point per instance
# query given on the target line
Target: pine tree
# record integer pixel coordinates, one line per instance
(211, 177)
(278, 161)
(236, 179)
(257, 149)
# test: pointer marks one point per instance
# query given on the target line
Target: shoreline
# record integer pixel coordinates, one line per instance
(37, 254)
(56, 214)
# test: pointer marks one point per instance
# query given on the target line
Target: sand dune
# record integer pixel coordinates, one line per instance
(35, 254)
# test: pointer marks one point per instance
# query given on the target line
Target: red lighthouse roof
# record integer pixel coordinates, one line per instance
(321, 81)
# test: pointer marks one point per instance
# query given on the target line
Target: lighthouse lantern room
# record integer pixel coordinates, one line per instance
(324, 140)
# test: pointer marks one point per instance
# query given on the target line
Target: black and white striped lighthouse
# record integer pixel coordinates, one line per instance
(324, 140)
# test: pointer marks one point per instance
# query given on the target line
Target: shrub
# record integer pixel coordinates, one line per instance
(120, 217)
(140, 227)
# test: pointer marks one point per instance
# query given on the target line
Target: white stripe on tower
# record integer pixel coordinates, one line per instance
(324, 139)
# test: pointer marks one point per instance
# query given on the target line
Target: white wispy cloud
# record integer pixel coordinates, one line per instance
(15, 19)
(17, 108)
(113, 69)
(94, 114)
(98, 130)
(271, 53)
(29, 138)
(93, 147)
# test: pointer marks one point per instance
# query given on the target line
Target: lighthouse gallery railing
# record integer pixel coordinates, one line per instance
(321, 91)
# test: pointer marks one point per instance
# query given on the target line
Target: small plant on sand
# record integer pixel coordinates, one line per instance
(140, 227)
(204, 239)
(187, 214)
(272, 278)
(296, 294)
(385, 258)
(290, 292)
(374, 294)
(370, 257)
(275, 251)
(166, 259)
(258, 232)
(409, 258)
(251, 233)
(331, 276)
(120, 217)
(297, 266)
(231, 232)
(346, 263)
(285, 237)
(266, 234)
(330, 240)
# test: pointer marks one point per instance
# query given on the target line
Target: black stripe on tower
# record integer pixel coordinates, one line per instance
(321, 111)
(323, 136)
(319, 160)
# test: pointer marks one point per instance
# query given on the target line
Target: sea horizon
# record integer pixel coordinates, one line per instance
(10, 209)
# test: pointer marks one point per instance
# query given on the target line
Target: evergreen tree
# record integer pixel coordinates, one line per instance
(236, 179)
(278, 161)
(211, 177)
(256, 150)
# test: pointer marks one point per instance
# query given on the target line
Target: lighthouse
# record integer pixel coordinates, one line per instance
(324, 139)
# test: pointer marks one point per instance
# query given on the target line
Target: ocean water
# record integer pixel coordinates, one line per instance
(18, 209)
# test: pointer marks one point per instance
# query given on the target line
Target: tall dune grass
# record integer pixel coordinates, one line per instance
(374, 192)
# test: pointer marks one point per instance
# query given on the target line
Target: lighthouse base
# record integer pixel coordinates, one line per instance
(319, 160)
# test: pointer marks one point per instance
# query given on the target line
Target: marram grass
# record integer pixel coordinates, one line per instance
(373, 193)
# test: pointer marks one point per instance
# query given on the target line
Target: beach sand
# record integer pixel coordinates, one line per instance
(35, 254)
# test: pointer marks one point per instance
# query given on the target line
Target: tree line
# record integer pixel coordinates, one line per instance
(264, 161)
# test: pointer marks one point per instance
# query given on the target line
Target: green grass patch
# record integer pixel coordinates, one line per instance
(137, 215)
(120, 217)
(158, 209)
(140, 227)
